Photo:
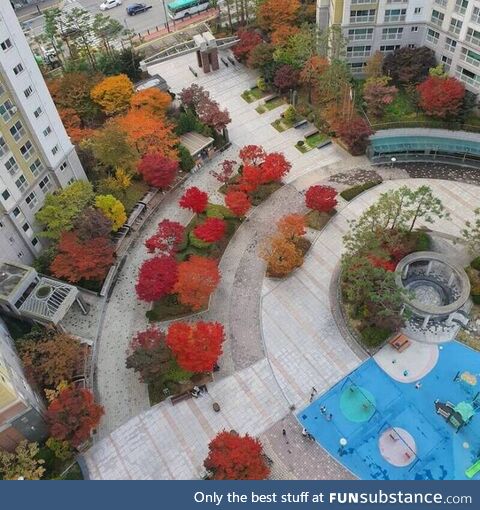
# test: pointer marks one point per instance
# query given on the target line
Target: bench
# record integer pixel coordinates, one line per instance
(400, 342)
(269, 98)
(300, 123)
(310, 132)
(324, 144)
(178, 398)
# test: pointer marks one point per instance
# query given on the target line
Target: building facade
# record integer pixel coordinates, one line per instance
(449, 27)
(36, 154)
(21, 409)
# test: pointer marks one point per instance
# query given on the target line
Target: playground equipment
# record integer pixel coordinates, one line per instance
(473, 470)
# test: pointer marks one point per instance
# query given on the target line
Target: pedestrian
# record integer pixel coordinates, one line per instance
(323, 409)
(314, 390)
(418, 385)
(329, 417)
(304, 432)
(284, 432)
(405, 373)
(311, 396)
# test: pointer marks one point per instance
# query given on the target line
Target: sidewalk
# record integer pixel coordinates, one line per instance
(32, 11)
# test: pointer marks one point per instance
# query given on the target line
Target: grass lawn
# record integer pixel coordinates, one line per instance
(317, 220)
(282, 125)
(311, 142)
(253, 94)
(271, 105)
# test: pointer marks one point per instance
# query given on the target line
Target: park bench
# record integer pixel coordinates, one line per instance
(269, 98)
(400, 342)
(324, 144)
(300, 123)
(178, 398)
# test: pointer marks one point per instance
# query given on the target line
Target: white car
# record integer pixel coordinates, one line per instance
(110, 4)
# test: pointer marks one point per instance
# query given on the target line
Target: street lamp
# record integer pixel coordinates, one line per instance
(166, 16)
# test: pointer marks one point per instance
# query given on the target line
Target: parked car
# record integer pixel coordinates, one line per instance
(110, 4)
(137, 9)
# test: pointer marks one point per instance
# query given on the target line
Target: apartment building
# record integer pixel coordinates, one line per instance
(21, 409)
(450, 27)
(36, 154)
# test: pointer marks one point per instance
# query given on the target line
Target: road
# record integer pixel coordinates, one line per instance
(139, 23)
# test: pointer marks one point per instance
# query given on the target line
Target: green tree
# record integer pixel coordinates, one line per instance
(471, 233)
(332, 43)
(21, 464)
(331, 84)
(61, 208)
(298, 49)
(107, 29)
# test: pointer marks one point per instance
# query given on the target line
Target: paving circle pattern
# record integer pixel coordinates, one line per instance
(357, 404)
(397, 447)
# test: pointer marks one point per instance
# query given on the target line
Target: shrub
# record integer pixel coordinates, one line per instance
(290, 114)
(475, 263)
(373, 336)
(423, 242)
(351, 193)
(261, 84)
(476, 299)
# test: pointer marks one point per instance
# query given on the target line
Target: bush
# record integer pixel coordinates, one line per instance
(476, 299)
(219, 211)
(373, 336)
(475, 263)
(351, 193)
(186, 160)
(261, 84)
(423, 242)
(290, 114)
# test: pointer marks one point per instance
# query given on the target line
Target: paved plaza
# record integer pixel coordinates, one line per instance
(282, 336)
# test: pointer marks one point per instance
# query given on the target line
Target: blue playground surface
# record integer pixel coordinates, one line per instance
(368, 402)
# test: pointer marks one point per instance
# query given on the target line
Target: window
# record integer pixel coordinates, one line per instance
(365, 16)
(17, 130)
(412, 46)
(389, 48)
(358, 51)
(27, 150)
(63, 166)
(47, 131)
(7, 110)
(455, 26)
(437, 17)
(28, 91)
(414, 29)
(31, 200)
(3, 146)
(71, 181)
(476, 15)
(36, 167)
(450, 44)
(432, 36)
(392, 33)
(417, 10)
(361, 2)
(5, 195)
(11, 166)
(360, 34)
(461, 6)
(443, 3)
(6, 45)
(45, 184)
(447, 62)
(37, 112)
(21, 183)
(55, 150)
(473, 36)
(18, 69)
(470, 56)
(467, 76)
(357, 67)
(25, 227)
(16, 212)
(34, 241)
(395, 15)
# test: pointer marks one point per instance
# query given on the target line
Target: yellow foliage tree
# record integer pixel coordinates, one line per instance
(281, 255)
(153, 100)
(113, 94)
(113, 209)
(22, 464)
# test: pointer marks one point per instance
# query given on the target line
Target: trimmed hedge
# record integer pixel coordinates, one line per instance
(351, 193)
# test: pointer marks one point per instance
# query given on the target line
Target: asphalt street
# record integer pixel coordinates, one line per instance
(139, 23)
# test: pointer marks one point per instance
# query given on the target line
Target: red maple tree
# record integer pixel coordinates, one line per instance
(167, 238)
(252, 154)
(248, 39)
(441, 96)
(157, 170)
(197, 346)
(194, 199)
(251, 178)
(235, 457)
(354, 133)
(73, 415)
(274, 167)
(227, 168)
(197, 278)
(321, 198)
(156, 278)
(77, 259)
(286, 78)
(211, 230)
(238, 202)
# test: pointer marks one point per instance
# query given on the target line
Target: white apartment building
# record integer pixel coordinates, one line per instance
(36, 154)
(450, 27)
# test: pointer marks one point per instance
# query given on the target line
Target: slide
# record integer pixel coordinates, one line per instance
(473, 470)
